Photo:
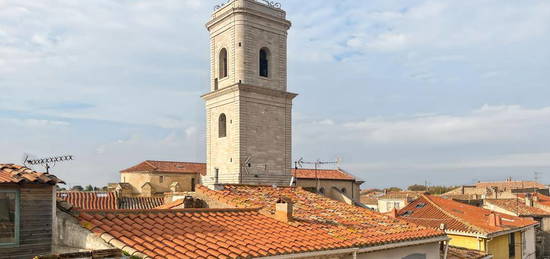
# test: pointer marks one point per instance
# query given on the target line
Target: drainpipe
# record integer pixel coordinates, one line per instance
(446, 249)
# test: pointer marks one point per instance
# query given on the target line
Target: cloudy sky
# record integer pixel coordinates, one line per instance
(449, 92)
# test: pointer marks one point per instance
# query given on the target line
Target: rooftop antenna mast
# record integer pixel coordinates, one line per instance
(47, 162)
(300, 163)
(537, 176)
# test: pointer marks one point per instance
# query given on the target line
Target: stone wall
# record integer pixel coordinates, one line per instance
(138, 179)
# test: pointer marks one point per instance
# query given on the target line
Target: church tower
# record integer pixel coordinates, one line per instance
(248, 108)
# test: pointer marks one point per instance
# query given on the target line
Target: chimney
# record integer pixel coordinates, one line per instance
(462, 189)
(393, 213)
(495, 220)
(528, 200)
(283, 210)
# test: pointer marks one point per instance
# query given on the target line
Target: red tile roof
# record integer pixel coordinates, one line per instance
(329, 174)
(89, 200)
(108, 200)
(402, 195)
(168, 167)
(360, 226)
(432, 211)
(540, 198)
(12, 173)
(205, 233)
(518, 207)
(511, 184)
(465, 253)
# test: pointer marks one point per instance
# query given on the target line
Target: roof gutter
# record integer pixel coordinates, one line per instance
(345, 251)
(500, 233)
(404, 244)
(354, 251)
(490, 235)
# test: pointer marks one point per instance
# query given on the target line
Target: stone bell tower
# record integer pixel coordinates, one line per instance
(248, 110)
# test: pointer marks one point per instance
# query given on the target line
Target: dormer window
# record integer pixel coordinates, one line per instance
(264, 62)
(223, 63)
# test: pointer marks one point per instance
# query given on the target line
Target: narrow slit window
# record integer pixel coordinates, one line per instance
(264, 62)
(223, 63)
(9, 217)
(222, 126)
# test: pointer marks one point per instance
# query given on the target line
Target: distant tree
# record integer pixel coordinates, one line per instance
(77, 188)
(393, 189)
(89, 188)
(104, 188)
(416, 187)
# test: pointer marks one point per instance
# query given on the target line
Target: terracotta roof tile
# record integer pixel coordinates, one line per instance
(167, 167)
(197, 238)
(108, 200)
(12, 173)
(517, 206)
(320, 215)
(432, 211)
(464, 253)
(511, 184)
(331, 174)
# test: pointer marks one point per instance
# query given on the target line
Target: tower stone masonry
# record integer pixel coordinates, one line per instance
(248, 108)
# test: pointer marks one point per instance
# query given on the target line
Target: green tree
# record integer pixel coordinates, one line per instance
(89, 188)
(416, 187)
(77, 188)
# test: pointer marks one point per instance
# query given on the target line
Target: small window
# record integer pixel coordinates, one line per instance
(192, 184)
(216, 175)
(344, 190)
(9, 217)
(264, 62)
(420, 205)
(223, 63)
(161, 179)
(222, 126)
(407, 213)
(322, 190)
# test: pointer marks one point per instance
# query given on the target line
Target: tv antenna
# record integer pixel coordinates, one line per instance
(537, 176)
(300, 163)
(47, 162)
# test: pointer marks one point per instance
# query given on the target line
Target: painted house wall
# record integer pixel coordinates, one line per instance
(138, 179)
(352, 188)
(467, 242)
(384, 207)
(36, 221)
(498, 247)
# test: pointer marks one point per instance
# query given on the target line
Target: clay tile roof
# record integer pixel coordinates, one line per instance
(358, 226)
(517, 206)
(329, 174)
(140, 203)
(465, 253)
(207, 233)
(402, 195)
(89, 200)
(541, 198)
(511, 184)
(168, 167)
(12, 173)
(432, 211)
(108, 201)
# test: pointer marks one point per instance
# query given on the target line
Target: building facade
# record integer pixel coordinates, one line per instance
(248, 108)
(336, 184)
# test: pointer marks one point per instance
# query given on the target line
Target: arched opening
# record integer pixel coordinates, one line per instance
(223, 63)
(222, 126)
(264, 62)
(192, 184)
(322, 190)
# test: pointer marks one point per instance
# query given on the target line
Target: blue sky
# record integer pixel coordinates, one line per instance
(450, 92)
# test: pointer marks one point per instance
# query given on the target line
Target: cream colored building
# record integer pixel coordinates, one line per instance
(150, 178)
(248, 108)
(336, 184)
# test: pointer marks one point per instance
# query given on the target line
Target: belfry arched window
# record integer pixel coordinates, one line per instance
(264, 62)
(223, 63)
(222, 126)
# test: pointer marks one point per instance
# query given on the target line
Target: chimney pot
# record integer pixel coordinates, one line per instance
(283, 210)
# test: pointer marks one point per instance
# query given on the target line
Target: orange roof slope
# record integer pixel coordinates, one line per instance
(90, 200)
(464, 253)
(518, 207)
(206, 233)
(541, 198)
(511, 184)
(329, 174)
(167, 167)
(360, 226)
(432, 211)
(12, 173)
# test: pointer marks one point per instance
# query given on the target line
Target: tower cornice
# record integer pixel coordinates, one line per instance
(248, 88)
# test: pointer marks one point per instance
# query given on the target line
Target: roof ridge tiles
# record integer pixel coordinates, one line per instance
(479, 230)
